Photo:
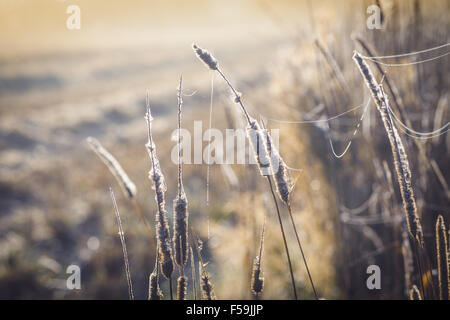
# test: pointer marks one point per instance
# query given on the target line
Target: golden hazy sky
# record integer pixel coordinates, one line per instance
(31, 26)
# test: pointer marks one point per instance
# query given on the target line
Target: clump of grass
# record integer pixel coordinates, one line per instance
(257, 281)
(162, 226)
(414, 293)
(443, 259)
(400, 157)
(124, 246)
(257, 140)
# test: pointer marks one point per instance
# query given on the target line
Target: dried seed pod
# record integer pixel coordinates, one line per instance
(206, 57)
(398, 151)
(155, 292)
(180, 235)
(282, 180)
(194, 281)
(181, 288)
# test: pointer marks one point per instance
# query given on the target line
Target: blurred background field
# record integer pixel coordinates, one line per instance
(59, 86)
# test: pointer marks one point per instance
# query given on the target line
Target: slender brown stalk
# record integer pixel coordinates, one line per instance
(408, 260)
(207, 287)
(124, 246)
(396, 98)
(284, 238)
(443, 259)
(181, 287)
(125, 183)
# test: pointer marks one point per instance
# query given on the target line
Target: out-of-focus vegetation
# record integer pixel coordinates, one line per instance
(55, 208)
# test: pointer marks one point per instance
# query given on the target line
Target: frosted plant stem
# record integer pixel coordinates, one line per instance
(124, 246)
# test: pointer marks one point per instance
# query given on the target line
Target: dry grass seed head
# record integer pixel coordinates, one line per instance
(125, 183)
(206, 57)
(257, 282)
(162, 226)
(180, 238)
(155, 292)
(181, 288)
(398, 151)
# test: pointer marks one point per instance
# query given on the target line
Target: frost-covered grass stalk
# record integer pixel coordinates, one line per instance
(124, 246)
(162, 226)
(284, 186)
(181, 288)
(180, 204)
(194, 277)
(443, 259)
(125, 183)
